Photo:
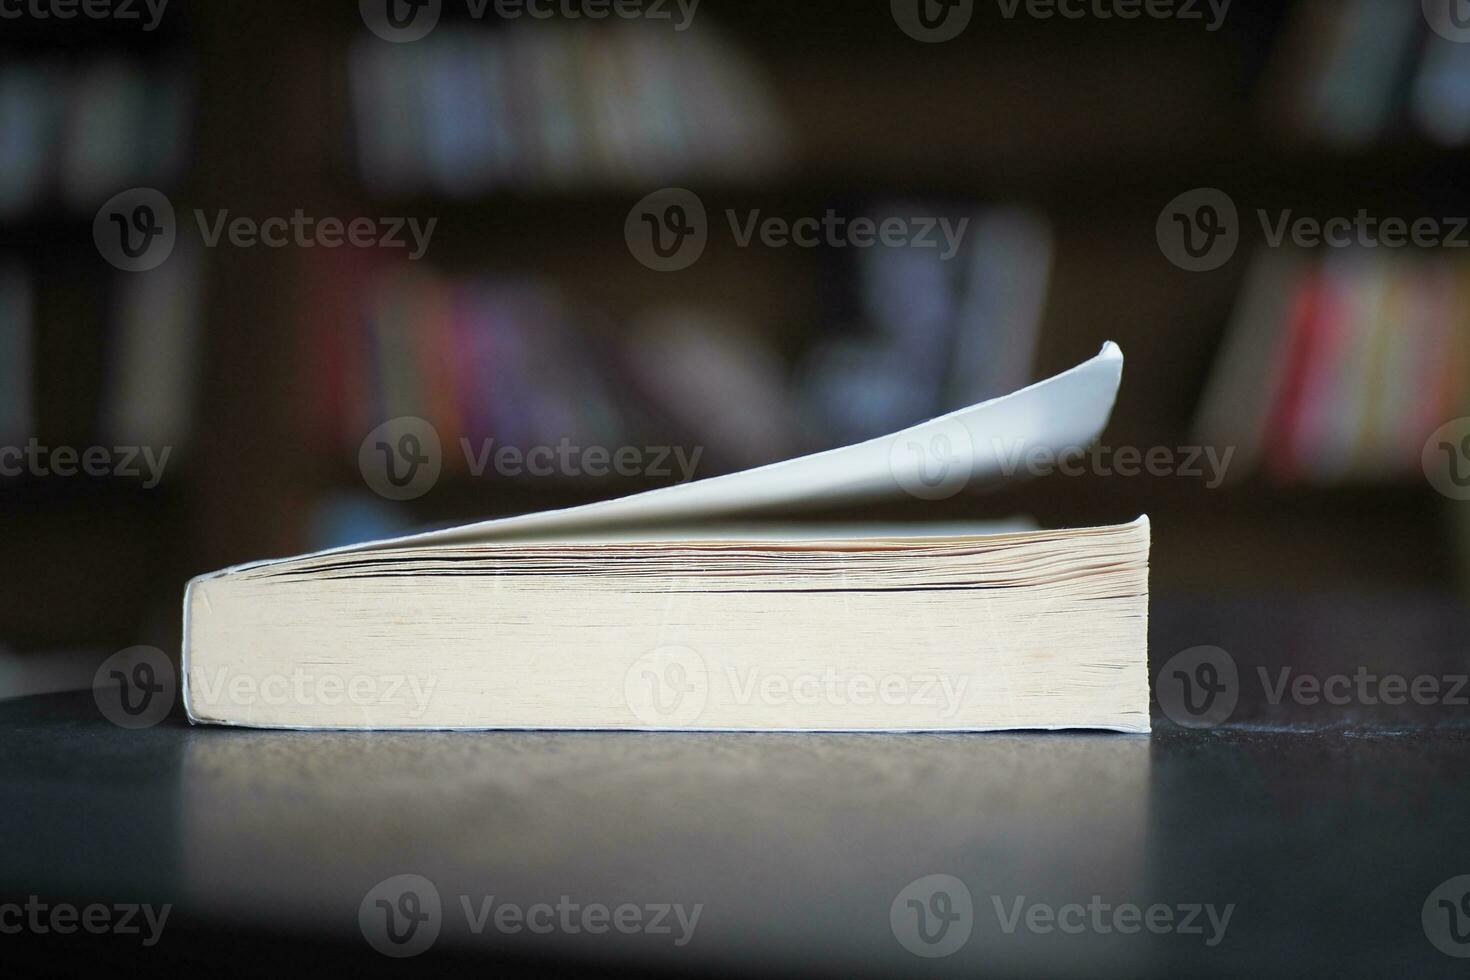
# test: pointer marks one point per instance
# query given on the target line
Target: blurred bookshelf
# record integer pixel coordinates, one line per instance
(1061, 139)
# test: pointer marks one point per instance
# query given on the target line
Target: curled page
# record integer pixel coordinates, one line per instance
(932, 460)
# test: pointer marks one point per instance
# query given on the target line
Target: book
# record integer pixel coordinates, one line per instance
(673, 609)
(150, 392)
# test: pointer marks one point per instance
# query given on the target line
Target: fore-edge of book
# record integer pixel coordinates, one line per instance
(978, 445)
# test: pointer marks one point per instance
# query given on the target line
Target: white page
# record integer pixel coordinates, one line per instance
(973, 446)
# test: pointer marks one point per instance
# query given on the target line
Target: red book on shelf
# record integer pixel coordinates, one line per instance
(1310, 308)
(324, 310)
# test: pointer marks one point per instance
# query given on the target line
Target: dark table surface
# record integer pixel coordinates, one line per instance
(1329, 833)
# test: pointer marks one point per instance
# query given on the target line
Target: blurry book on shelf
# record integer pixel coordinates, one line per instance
(343, 518)
(692, 364)
(78, 134)
(506, 361)
(17, 324)
(469, 111)
(1349, 73)
(1441, 97)
(152, 371)
(1336, 369)
(929, 328)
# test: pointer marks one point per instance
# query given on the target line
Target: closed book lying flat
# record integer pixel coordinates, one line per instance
(678, 609)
